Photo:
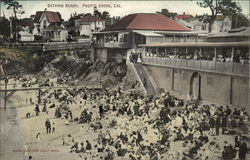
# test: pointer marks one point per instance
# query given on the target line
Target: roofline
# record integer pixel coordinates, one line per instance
(199, 44)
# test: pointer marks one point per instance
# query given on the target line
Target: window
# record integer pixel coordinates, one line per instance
(203, 27)
(44, 24)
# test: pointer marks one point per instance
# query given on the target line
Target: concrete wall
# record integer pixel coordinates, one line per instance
(101, 54)
(216, 88)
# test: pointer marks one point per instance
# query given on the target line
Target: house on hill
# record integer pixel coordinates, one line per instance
(183, 16)
(50, 25)
(121, 39)
(89, 24)
(200, 24)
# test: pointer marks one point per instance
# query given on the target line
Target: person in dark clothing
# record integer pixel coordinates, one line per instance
(217, 124)
(228, 111)
(88, 146)
(224, 123)
(101, 111)
(37, 110)
(71, 116)
(139, 138)
(44, 108)
(243, 151)
(212, 125)
(48, 126)
(74, 147)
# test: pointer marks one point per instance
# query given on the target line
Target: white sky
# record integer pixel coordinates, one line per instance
(126, 7)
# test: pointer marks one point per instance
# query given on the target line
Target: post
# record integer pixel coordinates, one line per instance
(39, 96)
(186, 57)
(11, 32)
(200, 58)
(5, 93)
(215, 57)
(232, 58)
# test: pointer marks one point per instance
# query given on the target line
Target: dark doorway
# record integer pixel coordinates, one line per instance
(195, 86)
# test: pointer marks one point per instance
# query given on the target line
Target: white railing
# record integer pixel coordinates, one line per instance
(216, 66)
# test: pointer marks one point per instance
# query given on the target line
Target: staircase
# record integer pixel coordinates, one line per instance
(70, 67)
(150, 90)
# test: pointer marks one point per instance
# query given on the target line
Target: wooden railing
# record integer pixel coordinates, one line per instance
(51, 46)
(112, 45)
(202, 65)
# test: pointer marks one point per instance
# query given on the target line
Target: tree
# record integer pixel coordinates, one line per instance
(166, 13)
(14, 4)
(5, 27)
(105, 15)
(239, 20)
(228, 7)
(17, 9)
(97, 13)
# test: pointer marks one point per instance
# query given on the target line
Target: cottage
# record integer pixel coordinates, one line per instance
(50, 25)
(89, 24)
(200, 24)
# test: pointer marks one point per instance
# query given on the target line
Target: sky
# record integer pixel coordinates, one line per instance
(115, 8)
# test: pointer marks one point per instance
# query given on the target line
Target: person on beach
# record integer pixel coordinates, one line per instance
(37, 109)
(48, 126)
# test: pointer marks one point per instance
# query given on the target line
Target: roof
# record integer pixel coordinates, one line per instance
(242, 32)
(146, 21)
(199, 44)
(54, 28)
(222, 17)
(89, 18)
(51, 16)
(183, 16)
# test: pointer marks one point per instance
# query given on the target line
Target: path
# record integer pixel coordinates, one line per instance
(10, 135)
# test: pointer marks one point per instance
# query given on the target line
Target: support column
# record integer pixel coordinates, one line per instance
(232, 58)
(5, 93)
(215, 57)
(39, 96)
(199, 55)
(186, 57)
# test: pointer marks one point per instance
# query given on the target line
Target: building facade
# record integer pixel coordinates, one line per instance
(87, 25)
(50, 25)
(174, 59)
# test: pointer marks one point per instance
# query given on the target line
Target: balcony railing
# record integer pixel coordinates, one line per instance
(112, 45)
(202, 65)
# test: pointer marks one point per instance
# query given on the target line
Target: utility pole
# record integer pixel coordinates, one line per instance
(11, 32)
(0, 9)
(6, 84)
(5, 93)
(95, 19)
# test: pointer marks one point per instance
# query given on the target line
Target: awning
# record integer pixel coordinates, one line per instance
(199, 44)
(148, 33)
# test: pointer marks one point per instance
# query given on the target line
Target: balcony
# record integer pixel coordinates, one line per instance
(111, 45)
(201, 65)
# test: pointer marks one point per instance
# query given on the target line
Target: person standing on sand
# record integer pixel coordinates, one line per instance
(53, 127)
(243, 150)
(48, 126)
(37, 110)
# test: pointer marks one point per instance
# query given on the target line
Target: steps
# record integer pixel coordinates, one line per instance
(145, 80)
